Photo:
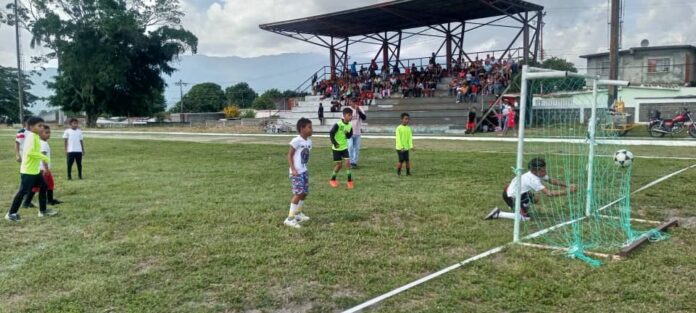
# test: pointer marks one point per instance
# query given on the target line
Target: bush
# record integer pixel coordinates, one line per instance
(231, 111)
(248, 114)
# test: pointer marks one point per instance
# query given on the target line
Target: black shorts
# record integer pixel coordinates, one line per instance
(403, 156)
(340, 155)
(527, 199)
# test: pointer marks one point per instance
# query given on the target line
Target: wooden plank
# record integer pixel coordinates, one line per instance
(613, 257)
(637, 243)
(633, 219)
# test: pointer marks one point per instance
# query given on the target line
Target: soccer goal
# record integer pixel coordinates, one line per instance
(564, 119)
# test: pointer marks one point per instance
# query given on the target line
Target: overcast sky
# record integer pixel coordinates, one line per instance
(230, 27)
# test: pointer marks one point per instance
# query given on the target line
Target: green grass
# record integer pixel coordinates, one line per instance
(189, 227)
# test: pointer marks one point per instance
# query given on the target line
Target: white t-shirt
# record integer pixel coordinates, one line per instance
(506, 111)
(45, 149)
(301, 157)
(529, 182)
(74, 136)
(19, 138)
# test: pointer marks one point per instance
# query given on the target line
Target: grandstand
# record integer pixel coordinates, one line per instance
(451, 66)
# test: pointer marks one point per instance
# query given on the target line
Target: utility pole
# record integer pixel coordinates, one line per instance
(20, 85)
(181, 85)
(614, 50)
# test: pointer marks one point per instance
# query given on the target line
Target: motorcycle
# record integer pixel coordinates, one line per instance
(683, 121)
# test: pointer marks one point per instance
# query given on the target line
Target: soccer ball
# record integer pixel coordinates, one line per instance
(623, 158)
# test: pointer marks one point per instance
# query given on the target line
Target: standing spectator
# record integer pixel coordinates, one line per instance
(510, 123)
(321, 114)
(471, 125)
(506, 113)
(354, 69)
(358, 117)
(314, 82)
(74, 147)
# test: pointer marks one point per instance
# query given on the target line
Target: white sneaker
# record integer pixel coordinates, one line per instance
(493, 215)
(47, 213)
(301, 217)
(292, 223)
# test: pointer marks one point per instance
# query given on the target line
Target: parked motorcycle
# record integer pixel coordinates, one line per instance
(683, 121)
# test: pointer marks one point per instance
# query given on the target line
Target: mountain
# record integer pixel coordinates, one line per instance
(284, 71)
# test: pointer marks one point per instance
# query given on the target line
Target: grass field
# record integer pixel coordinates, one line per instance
(163, 226)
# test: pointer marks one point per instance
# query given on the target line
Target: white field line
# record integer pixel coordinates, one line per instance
(630, 142)
(415, 283)
(222, 135)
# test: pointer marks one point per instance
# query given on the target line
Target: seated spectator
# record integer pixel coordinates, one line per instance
(386, 89)
(453, 87)
(419, 89)
(461, 93)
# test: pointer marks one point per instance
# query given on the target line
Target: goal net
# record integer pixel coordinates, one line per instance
(575, 133)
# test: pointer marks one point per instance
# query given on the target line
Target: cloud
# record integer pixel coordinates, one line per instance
(230, 28)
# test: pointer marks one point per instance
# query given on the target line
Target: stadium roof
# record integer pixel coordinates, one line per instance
(399, 15)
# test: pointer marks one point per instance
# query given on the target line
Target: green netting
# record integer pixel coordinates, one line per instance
(597, 216)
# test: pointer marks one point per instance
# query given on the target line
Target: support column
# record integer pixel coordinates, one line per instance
(448, 47)
(538, 34)
(525, 31)
(398, 50)
(385, 50)
(332, 59)
(461, 41)
(614, 51)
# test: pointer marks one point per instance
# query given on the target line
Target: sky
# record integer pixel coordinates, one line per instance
(573, 28)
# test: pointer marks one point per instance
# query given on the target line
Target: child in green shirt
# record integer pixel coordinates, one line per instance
(339, 135)
(30, 171)
(404, 143)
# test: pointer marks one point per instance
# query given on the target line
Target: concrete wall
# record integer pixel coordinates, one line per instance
(634, 67)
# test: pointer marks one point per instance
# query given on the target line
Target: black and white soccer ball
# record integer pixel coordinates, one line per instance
(623, 158)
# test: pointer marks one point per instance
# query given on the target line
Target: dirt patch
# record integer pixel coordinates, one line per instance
(687, 222)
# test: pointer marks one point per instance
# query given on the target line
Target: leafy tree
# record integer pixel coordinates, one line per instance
(264, 103)
(552, 84)
(111, 53)
(267, 100)
(294, 94)
(9, 95)
(205, 97)
(241, 94)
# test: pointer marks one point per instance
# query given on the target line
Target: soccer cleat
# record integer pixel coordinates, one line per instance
(56, 202)
(349, 185)
(30, 206)
(333, 183)
(12, 217)
(301, 217)
(494, 214)
(47, 213)
(292, 223)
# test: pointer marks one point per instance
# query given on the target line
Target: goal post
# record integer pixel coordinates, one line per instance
(566, 132)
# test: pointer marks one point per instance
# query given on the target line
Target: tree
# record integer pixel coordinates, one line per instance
(9, 95)
(205, 97)
(241, 94)
(267, 100)
(551, 85)
(294, 94)
(111, 53)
